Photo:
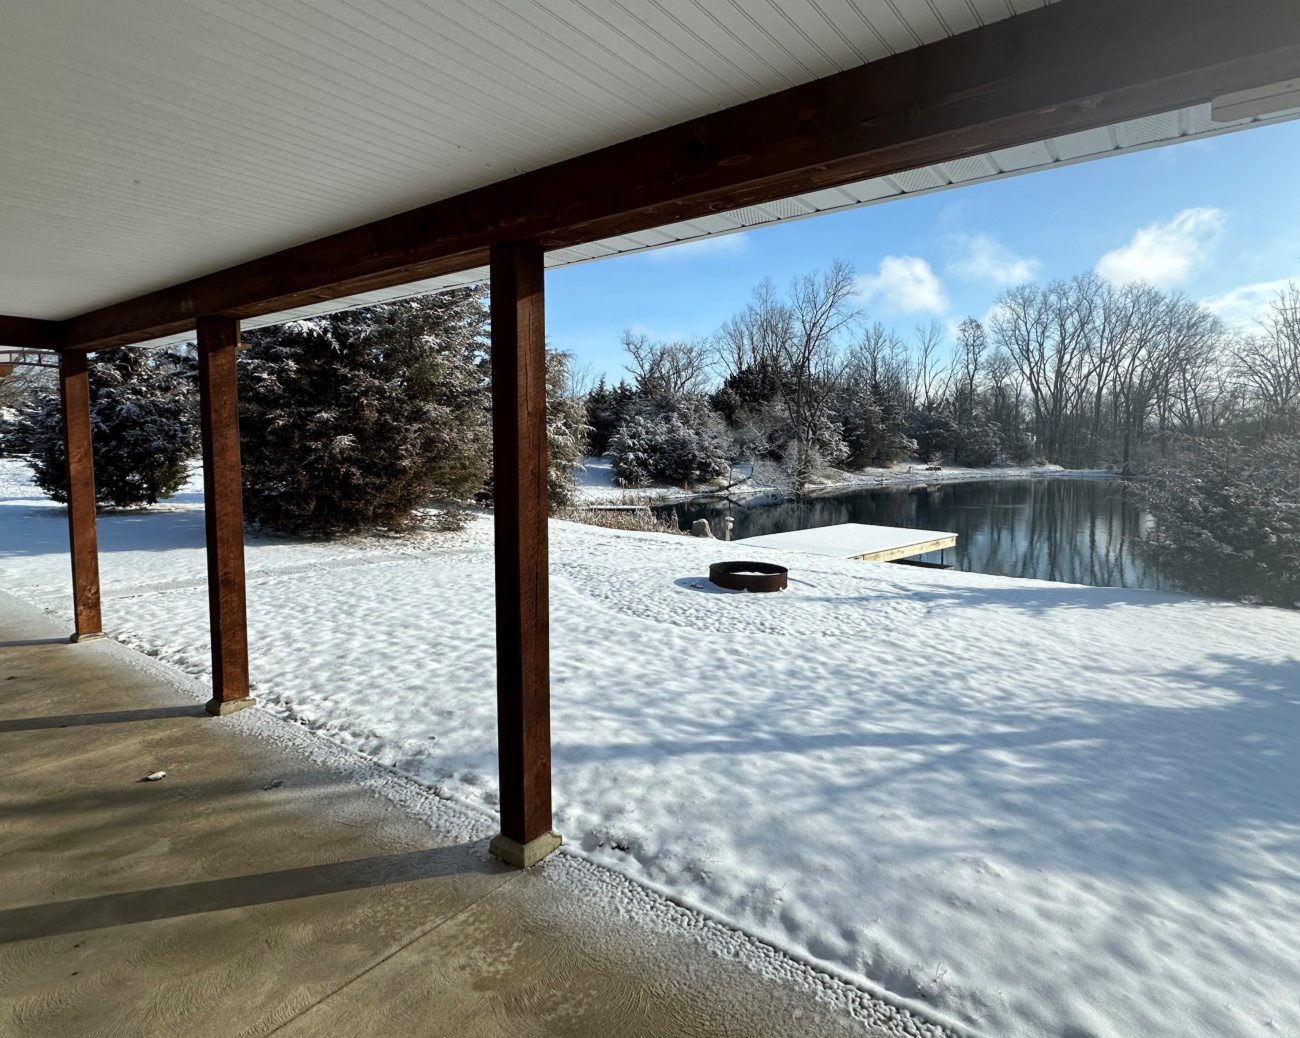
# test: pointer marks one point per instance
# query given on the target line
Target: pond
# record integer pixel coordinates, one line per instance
(1081, 531)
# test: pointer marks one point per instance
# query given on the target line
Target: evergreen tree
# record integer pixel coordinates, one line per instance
(746, 390)
(144, 428)
(1227, 518)
(683, 445)
(607, 408)
(977, 442)
(873, 429)
(566, 431)
(358, 418)
(935, 434)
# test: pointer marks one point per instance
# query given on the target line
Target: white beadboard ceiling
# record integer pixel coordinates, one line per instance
(146, 142)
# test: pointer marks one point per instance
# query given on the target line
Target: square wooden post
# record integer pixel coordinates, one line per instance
(522, 587)
(83, 538)
(223, 507)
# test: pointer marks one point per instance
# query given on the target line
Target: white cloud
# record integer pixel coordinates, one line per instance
(1242, 306)
(984, 258)
(723, 245)
(905, 285)
(1164, 254)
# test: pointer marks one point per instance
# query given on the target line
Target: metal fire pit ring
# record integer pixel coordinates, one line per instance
(748, 576)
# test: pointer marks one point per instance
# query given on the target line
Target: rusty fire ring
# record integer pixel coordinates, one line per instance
(748, 576)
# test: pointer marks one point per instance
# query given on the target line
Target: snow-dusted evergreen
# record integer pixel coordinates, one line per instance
(566, 430)
(1228, 518)
(607, 408)
(357, 419)
(678, 442)
(144, 427)
(662, 429)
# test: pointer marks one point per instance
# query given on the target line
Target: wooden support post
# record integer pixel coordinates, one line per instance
(223, 506)
(522, 587)
(83, 539)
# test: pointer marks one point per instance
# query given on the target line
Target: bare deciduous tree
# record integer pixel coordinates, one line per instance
(813, 360)
(929, 377)
(18, 387)
(756, 335)
(1269, 362)
(667, 370)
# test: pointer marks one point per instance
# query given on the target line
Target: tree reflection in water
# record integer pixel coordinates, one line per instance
(1081, 531)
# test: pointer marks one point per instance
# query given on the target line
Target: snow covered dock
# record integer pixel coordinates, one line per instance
(857, 541)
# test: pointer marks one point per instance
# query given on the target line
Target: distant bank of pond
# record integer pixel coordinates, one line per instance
(1081, 531)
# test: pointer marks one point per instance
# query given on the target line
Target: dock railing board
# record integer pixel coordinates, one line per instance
(857, 541)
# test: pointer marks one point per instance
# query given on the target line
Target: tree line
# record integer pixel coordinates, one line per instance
(1076, 372)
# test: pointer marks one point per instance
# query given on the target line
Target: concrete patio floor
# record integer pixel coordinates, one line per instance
(253, 891)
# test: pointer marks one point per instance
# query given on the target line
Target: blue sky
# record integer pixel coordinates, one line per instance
(1218, 219)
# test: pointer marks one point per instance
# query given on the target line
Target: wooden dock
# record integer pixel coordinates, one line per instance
(857, 541)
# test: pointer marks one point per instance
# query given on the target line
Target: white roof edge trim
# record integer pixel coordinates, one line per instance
(804, 207)
(1243, 104)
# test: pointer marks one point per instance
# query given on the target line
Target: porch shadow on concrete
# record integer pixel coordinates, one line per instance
(216, 895)
(158, 713)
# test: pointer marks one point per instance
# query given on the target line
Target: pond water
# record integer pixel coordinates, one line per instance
(1082, 531)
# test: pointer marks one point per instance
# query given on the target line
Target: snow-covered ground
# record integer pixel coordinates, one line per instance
(1040, 809)
(597, 484)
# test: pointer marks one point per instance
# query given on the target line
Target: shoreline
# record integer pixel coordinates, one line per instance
(914, 475)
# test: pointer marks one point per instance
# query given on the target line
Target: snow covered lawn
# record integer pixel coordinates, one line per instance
(1040, 809)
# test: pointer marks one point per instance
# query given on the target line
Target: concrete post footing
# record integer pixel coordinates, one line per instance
(87, 636)
(219, 709)
(524, 855)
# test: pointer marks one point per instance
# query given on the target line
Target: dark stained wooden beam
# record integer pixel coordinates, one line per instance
(522, 584)
(223, 507)
(1074, 65)
(24, 333)
(83, 537)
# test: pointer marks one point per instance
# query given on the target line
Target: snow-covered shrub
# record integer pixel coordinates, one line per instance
(823, 444)
(1227, 518)
(358, 418)
(972, 440)
(684, 446)
(144, 428)
(635, 449)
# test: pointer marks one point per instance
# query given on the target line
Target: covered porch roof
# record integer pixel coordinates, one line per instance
(168, 160)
